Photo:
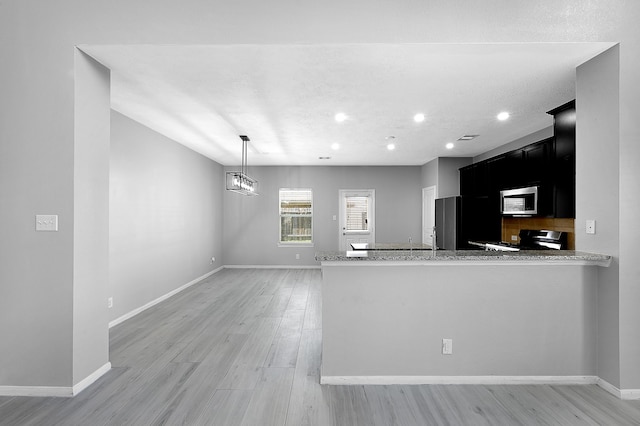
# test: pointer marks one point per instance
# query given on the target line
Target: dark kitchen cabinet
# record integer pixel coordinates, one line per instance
(538, 171)
(466, 180)
(497, 173)
(564, 129)
(538, 163)
(481, 180)
(474, 180)
(548, 164)
(514, 173)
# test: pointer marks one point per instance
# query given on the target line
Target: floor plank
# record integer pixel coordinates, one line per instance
(270, 399)
(245, 371)
(243, 347)
(226, 408)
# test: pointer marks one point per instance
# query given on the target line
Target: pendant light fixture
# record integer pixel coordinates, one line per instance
(240, 182)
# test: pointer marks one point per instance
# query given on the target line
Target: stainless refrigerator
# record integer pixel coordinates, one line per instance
(463, 219)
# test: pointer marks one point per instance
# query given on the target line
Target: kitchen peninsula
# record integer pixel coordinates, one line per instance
(513, 317)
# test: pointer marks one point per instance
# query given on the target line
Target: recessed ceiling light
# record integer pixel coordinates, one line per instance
(335, 146)
(340, 117)
(391, 147)
(503, 116)
(467, 137)
(418, 118)
(450, 145)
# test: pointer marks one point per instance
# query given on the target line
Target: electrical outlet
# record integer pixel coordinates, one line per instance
(110, 302)
(591, 226)
(213, 259)
(447, 346)
(514, 238)
(47, 222)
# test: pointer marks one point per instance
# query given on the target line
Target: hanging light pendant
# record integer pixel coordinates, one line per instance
(240, 182)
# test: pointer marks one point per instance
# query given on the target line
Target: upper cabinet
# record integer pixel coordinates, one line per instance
(564, 133)
(538, 163)
(474, 179)
(548, 164)
(528, 166)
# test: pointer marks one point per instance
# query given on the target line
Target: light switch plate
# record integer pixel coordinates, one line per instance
(47, 222)
(591, 226)
(447, 346)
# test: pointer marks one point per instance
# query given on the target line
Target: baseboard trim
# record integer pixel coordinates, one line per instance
(629, 394)
(55, 391)
(626, 394)
(90, 379)
(38, 391)
(609, 388)
(136, 311)
(458, 380)
(272, 266)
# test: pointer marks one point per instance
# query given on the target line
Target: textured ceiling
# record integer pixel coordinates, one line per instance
(285, 97)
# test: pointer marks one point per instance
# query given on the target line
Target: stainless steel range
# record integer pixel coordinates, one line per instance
(529, 240)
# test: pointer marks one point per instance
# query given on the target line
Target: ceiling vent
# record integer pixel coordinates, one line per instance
(467, 137)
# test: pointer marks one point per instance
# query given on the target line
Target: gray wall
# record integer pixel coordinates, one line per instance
(598, 194)
(90, 218)
(505, 320)
(429, 174)
(165, 215)
(37, 130)
(449, 175)
(444, 174)
(629, 207)
(251, 223)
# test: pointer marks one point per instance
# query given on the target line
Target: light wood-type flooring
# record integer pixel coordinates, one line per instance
(243, 348)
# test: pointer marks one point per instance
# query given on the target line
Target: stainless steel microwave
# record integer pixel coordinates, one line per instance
(519, 202)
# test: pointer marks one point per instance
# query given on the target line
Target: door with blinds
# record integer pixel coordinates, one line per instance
(357, 217)
(428, 214)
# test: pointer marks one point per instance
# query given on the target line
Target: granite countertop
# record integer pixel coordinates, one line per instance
(479, 256)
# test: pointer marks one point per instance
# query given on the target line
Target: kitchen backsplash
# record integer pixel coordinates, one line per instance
(513, 225)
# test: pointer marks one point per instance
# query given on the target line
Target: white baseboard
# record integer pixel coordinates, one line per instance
(626, 394)
(629, 394)
(458, 380)
(609, 388)
(136, 311)
(88, 381)
(272, 266)
(39, 391)
(55, 391)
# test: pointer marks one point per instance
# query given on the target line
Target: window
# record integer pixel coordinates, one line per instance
(357, 218)
(296, 216)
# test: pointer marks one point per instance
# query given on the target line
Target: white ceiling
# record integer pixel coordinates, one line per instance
(285, 97)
